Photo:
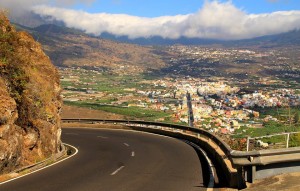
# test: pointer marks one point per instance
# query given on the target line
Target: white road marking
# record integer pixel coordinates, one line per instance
(126, 144)
(102, 137)
(116, 171)
(132, 154)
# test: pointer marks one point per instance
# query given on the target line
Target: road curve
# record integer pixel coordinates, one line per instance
(118, 160)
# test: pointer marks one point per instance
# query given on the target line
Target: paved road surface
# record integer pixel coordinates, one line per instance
(115, 160)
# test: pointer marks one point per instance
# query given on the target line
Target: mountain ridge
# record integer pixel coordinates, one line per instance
(287, 38)
(73, 48)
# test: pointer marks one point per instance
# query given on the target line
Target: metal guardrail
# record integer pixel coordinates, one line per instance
(250, 165)
(225, 148)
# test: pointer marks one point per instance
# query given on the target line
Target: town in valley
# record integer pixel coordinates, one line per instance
(258, 98)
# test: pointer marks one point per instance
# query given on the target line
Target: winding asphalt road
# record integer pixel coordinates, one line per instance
(116, 160)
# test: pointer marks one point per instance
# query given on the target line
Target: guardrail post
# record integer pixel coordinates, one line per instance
(248, 142)
(287, 140)
(241, 178)
(250, 173)
(253, 171)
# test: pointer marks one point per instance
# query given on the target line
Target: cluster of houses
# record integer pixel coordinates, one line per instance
(217, 106)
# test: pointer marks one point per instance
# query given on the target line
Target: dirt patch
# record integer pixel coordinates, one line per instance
(96, 125)
(266, 181)
(85, 113)
(287, 182)
(281, 182)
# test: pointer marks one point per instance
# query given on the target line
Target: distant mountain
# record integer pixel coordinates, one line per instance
(157, 40)
(289, 38)
(44, 25)
(283, 39)
(30, 19)
(72, 47)
(52, 28)
(48, 29)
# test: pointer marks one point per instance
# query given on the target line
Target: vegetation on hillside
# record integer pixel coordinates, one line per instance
(31, 84)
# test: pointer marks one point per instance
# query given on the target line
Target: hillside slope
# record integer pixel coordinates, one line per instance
(29, 100)
(275, 55)
(69, 47)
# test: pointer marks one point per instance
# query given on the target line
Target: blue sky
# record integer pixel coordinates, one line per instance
(222, 19)
(154, 8)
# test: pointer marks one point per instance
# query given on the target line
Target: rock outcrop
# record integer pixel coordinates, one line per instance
(30, 100)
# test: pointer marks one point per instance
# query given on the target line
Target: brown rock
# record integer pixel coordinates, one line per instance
(30, 100)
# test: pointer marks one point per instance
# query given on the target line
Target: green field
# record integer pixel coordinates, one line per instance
(113, 86)
(130, 112)
(269, 128)
(110, 83)
(281, 113)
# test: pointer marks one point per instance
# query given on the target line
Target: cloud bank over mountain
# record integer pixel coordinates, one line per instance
(215, 20)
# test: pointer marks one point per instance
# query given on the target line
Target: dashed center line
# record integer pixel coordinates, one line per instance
(116, 171)
(126, 144)
(132, 154)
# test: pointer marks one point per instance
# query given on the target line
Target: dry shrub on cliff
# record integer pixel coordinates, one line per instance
(32, 82)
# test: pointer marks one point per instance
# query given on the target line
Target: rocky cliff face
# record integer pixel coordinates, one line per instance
(29, 100)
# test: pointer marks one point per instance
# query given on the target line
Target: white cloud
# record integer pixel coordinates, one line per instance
(213, 20)
(118, 24)
(18, 8)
